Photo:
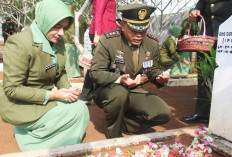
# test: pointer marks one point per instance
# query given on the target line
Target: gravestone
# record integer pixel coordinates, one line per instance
(221, 104)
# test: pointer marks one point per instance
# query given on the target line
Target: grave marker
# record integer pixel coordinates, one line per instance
(221, 104)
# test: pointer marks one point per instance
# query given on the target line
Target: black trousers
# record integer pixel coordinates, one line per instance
(203, 103)
(88, 84)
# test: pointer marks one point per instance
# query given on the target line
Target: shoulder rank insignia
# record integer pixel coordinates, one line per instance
(153, 37)
(112, 34)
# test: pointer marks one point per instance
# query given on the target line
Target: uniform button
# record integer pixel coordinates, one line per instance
(212, 5)
(212, 17)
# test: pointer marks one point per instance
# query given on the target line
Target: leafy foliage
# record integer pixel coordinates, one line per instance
(20, 11)
(206, 67)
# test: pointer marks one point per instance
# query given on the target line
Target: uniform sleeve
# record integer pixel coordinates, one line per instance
(62, 81)
(185, 26)
(201, 5)
(156, 67)
(172, 49)
(16, 66)
(99, 71)
(155, 71)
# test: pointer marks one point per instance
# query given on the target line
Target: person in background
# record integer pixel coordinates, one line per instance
(72, 61)
(194, 30)
(215, 13)
(121, 63)
(170, 58)
(8, 28)
(34, 62)
(104, 20)
(83, 26)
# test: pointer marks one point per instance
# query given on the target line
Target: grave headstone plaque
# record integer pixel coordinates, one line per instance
(221, 104)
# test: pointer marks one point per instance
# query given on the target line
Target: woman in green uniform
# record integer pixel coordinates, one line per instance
(170, 58)
(34, 62)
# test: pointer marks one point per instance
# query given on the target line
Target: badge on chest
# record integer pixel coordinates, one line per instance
(147, 65)
(119, 64)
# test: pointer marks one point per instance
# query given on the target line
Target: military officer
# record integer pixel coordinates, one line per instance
(215, 12)
(122, 62)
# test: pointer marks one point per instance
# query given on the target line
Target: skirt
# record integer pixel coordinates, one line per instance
(65, 124)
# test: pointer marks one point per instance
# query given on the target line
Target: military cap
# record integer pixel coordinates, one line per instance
(137, 16)
(7, 18)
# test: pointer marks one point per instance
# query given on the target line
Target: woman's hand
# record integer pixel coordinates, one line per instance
(96, 39)
(186, 62)
(67, 95)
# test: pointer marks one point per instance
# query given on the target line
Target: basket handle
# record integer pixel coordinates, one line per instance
(203, 23)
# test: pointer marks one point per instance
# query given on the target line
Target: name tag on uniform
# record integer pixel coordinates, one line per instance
(50, 66)
(119, 61)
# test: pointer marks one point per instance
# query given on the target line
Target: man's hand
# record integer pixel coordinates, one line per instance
(126, 80)
(163, 77)
(193, 15)
(144, 79)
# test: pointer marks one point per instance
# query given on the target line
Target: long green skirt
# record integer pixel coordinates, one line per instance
(63, 125)
(72, 61)
(179, 68)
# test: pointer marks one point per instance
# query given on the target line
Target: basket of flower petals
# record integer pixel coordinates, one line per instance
(196, 43)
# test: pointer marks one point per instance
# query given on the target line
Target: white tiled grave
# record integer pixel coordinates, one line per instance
(221, 146)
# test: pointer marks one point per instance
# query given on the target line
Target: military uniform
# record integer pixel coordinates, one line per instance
(7, 27)
(136, 108)
(215, 12)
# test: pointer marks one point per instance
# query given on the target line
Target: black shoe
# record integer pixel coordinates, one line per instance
(195, 118)
(125, 131)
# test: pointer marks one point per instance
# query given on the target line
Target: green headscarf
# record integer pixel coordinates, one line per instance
(68, 2)
(191, 10)
(50, 12)
(47, 14)
(175, 30)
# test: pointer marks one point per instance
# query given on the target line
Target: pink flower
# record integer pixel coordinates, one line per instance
(197, 131)
(206, 142)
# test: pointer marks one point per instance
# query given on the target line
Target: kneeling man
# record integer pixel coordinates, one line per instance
(122, 62)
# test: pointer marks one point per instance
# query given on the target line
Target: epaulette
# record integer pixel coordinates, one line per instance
(112, 34)
(153, 37)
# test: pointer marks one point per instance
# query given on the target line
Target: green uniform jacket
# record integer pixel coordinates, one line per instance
(214, 12)
(168, 53)
(25, 79)
(113, 57)
(185, 24)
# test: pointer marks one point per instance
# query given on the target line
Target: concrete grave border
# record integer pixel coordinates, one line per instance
(220, 146)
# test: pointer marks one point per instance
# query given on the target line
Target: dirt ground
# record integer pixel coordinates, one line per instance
(180, 99)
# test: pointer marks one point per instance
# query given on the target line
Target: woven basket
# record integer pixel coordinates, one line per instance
(196, 43)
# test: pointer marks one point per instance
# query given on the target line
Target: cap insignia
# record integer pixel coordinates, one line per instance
(142, 14)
